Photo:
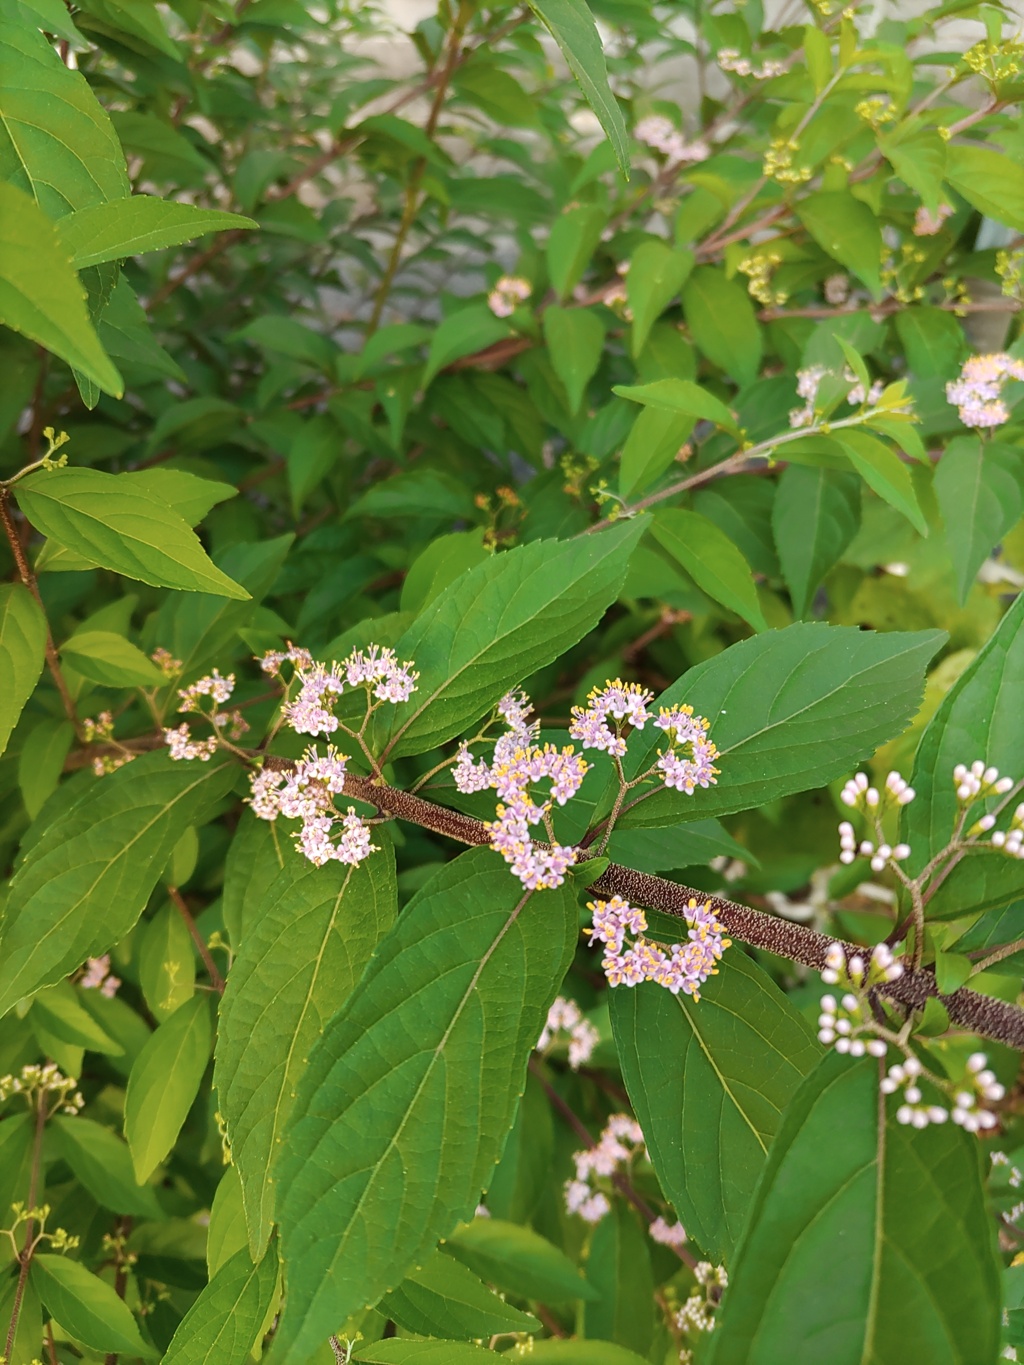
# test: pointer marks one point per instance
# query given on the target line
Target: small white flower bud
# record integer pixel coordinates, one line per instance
(835, 956)
(904, 1114)
(826, 1036)
(878, 863)
(959, 773)
(847, 856)
(1004, 785)
(828, 1003)
(857, 1047)
(871, 797)
(856, 968)
(906, 796)
(977, 1061)
(986, 1078)
(867, 848)
(843, 1026)
(861, 782)
(900, 852)
(920, 1118)
(989, 776)
(846, 829)
(877, 1047)
(978, 769)
(964, 792)
(994, 1092)
(986, 1120)
(842, 1044)
(887, 1085)
(894, 972)
(912, 1067)
(850, 1002)
(965, 1099)
(829, 976)
(937, 1114)
(881, 955)
(998, 839)
(913, 1094)
(848, 797)
(826, 1021)
(897, 1073)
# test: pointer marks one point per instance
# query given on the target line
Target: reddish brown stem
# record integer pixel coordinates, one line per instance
(178, 901)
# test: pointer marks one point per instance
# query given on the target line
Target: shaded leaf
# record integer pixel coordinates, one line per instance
(222, 1325)
(164, 1082)
(444, 1299)
(22, 653)
(518, 1260)
(815, 515)
(712, 561)
(86, 1306)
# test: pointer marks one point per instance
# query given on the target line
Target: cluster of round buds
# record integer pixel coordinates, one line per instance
(667, 1234)
(565, 1016)
(100, 730)
(620, 1142)
(913, 1111)
(182, 746)
(43, 1085)
(840, 1021)
(968, 1110)
(625, 703)
(730, 59)
(270, 663)
(843, 1023)
(1009, 841)
(977, 392)
(168, 665)
(679, 967)
(662, 134)
(860, 795)
(213, 685)
(978, 781)
(881, 857)
(508, 293)
(97, 976)
(698, 1312)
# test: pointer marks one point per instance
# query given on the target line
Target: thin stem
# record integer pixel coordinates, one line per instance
(1007, 950)
(178, 901)
(28, 1247)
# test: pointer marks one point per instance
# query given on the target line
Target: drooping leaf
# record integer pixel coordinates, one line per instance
(711, 559)
(722, 323)
(129, 227)
(575, 340)
(22, 653)
(978, 486)
(499, 622)
(657, 272)
(518, 1260)
(789, 710)
(408, 1097)
(163, 1083)
(222, 1325)
(989, 180)
(312, 934)
(815, 515)
(103, 1163)
(87, 878)
(848, 231)
(87, 1306)
(867, 1240)
(109, 659)
(883, 471)
(115, 524)
(740, 1053)
(619, 1268)
(444, 1299)
(572, 26)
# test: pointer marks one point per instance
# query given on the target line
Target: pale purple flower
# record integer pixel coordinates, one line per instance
(977, 390)
(182, 745)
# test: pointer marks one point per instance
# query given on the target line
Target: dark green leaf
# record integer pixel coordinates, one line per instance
(86, 1306)
(815, 515)
(103, 1163)
(110, 660)
(517, 1260)
(978, 486)
(619, 1268)
(848, 231)
(22, 653)
(164, 1082)
(444, 1299)
(657, 272)
(712, 561)
(722, 323)
(222, 1325)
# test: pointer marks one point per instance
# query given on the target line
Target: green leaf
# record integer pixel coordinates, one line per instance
(63, 1017)
(498, 623)
(867, 1240)
(312, 934)
(740, 1053)
(17, 1143)
(40, 294)
(443, 560)
(661, 850)
(167, 962)
(848, 230)
(978, 487)
(518, 1260)
(581, 1353)
(979, 717)
(655, 439)
(444, 1299)
(657, 272)
(57, 143)
(790, 710)
(86, 1306)
(164, 1082)
(884, 472)
(818, 56)
(723, 323)
(933, 340)
(87, 879)
(256, 854)
(48, 15)
(920, 161)
(815, 515)
(682, 396)
(989, 180)
(423, 1353)
(110, 660)
(22, 653)
(103, 1163)
(711, 559)
(222, 1325)
(575, 340)
(114, 523)
(572, 26)
(409, 1095)
(473, 328)
(619, 1268)
(572, 241)
(190, 496)
(41, 760)
(227, 1232)
(129, 227)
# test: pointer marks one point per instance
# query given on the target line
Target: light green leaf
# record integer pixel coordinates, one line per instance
(933, 340)
(190, 496)
(256, 854)
(103, 1163)
(423, 1353)
(87, 879)
(848, 231)
(572, 241)
(222, 1325)
(48, 15)
(572, 26)
(63, 1017)
(818, 56)
(920, 160)
(311, 936)
(167, 962)
(22, 653)
(518, 1260)
(470, 329)
(682, 396)
(619, 1268)
(227, 1231)
(86, 1306)
(164, 1082)
(40, 294)
(57, 143)
(867, 1240)
(129, 227)
(409, 1096)
(657, 272)
(551, 1352)
(17, 1143)
(655, 439)
(815, 515)
(884, 472)
(711, 559)
(575, 340)
(723, 323)
(110, 660)
(790, 710)
(41, 761)
(989, 180)
(709, 1119)
(117, 525)
(978, 486)
(979, 717)
(498, 623)
(444, 1299)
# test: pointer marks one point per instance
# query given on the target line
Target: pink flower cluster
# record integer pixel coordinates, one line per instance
(685, 729)
(926, 223)
(679, 967)
(213, 685)
(564, 1016)
(517, 765)
(271, 662)
(662, 134)
(620, 1141)
(97, 976)
(307, 794)
(377, 669)
(977, 392)
(624, 702)
(183, 746)
(667, 1234)
(508, 293)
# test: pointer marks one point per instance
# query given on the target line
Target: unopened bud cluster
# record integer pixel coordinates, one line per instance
(621, 1141)
(966, 1100)
(848, 1023)
(698, 1312)
(860, 796)
(565, 1016)
(40, 1085)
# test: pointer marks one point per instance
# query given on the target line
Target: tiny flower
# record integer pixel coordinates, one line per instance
(507, 294)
